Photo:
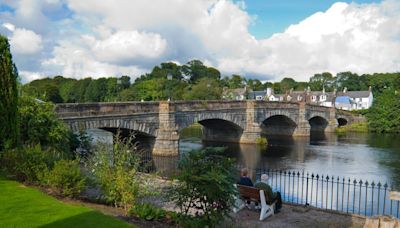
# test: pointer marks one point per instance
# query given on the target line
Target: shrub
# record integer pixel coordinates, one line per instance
(66, 178)
(262, 141)
(205, 183)
(116, 172)
(147, 211)
(27, 163)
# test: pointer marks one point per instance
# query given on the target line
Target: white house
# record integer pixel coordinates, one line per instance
(357, 100)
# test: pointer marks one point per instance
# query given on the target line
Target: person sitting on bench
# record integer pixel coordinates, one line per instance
(263, 184)
(244, 179)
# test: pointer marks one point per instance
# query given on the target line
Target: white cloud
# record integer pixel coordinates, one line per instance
(24, 41)
(103, 38)
(28, 76)
(126, 46)
(9, 26)
(346, 37)
(74, 61)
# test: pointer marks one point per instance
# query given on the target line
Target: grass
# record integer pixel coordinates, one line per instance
(22, 206)
(356, 127)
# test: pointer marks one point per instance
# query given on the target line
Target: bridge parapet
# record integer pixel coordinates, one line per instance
(71, 110)
(276, 105)
(182, 106)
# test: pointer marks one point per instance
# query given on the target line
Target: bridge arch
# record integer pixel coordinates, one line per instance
(216, 129)
(342, 122)
(143, 127)
(278, 125)
(318, 123)
(183, 120)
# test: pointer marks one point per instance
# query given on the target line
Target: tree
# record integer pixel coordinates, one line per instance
(255, 85)
(321, 81)
(347, 80)
(96, 90)
(195, 70)
(205, 89)
(384, 115)
(8, 97)
(288, 84)
(206, 183)
(40, 125)
(236, 81)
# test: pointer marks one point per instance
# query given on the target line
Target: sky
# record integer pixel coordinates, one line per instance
(263, 39)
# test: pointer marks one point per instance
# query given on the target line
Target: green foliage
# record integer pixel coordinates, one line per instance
(384, 115)
(147, 211)
(323, 80)
(205, 183)
(116, 172)
(28, 163)
(355, 127)
(262, 141)
(66, 178)
(8, 97)
(287, 84)
(205, 89)
(40, 125)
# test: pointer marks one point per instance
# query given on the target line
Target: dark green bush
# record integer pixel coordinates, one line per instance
(206, 185)
(147, 211)
(26, 164)
(66, 178)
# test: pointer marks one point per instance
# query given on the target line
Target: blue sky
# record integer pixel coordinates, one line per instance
(274, 16)
(81, 38)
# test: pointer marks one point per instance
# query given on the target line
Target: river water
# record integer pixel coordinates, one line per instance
(372, 157)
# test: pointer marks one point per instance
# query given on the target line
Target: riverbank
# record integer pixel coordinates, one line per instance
(355, 127)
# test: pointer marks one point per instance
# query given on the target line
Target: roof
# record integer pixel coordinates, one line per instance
(343, 99)
(257, 93)
(355, 94)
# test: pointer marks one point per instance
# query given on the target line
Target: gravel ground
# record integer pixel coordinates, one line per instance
(295, 216)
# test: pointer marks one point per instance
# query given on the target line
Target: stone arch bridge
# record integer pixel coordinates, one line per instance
(231, 121)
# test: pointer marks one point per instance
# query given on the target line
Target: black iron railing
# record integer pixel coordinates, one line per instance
(333, 193)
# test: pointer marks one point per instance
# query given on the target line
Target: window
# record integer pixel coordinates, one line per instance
(299, 98)
(314, 98)
(322, 98)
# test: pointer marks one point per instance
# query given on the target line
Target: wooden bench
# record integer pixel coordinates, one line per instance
(257, 195)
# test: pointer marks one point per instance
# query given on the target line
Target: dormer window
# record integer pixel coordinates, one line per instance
(314, 98)
(322, 98)
(299, 98)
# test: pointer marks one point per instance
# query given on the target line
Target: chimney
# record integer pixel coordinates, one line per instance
(344, 89)
(323, 89)
(369, 88)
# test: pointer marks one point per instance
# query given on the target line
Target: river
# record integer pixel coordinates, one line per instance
(366, 156)
(372, 157)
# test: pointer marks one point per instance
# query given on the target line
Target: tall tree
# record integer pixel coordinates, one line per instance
(288, 84)
(320, 81)
(8, 96)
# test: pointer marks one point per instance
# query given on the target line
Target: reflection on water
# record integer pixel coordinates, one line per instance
(372, 157)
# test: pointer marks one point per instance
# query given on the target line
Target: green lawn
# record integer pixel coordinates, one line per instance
(22, 206)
